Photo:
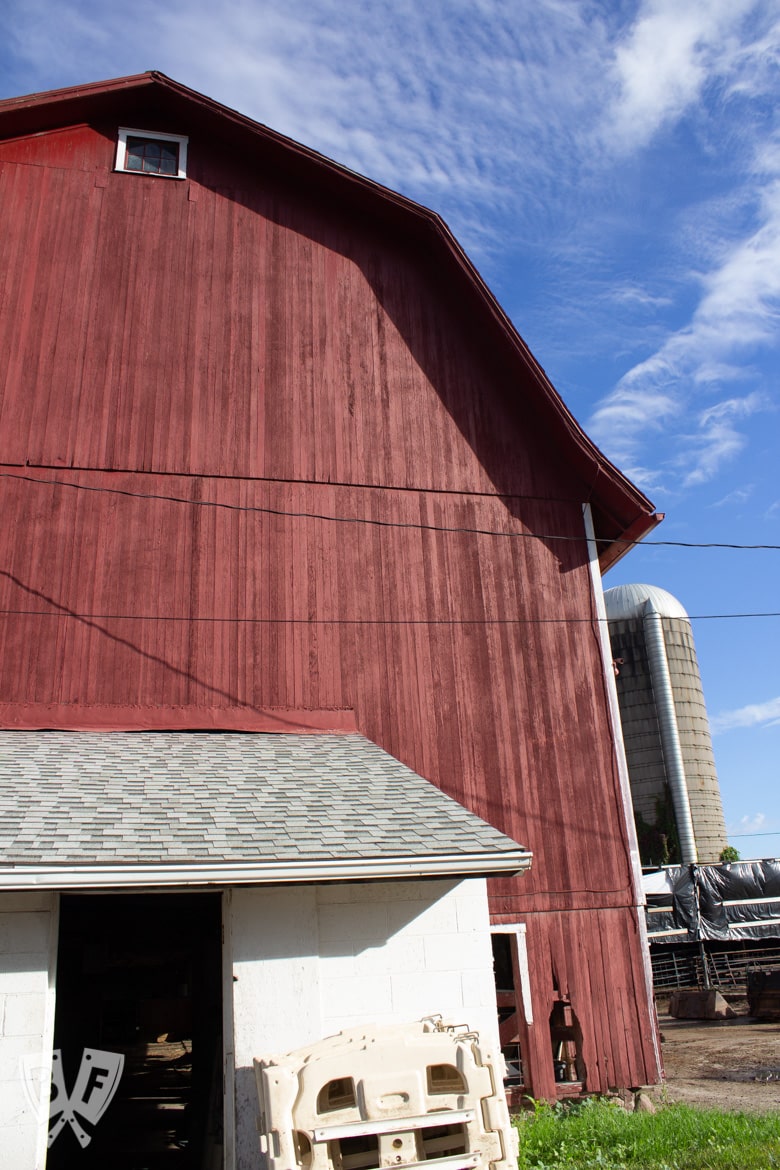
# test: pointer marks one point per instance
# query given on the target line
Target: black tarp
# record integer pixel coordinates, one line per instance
(733, 900)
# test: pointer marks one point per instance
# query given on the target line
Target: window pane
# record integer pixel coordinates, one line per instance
(152, 156)
(169, 158)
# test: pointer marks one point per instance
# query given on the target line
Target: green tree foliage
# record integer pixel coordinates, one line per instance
(659, 843)
(729, 854)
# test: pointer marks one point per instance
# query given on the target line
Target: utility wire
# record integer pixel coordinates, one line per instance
(301, 515)
(706, 617)
(775, 833)
(307, 621)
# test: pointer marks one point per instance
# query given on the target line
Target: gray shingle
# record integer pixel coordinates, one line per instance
(173, 797)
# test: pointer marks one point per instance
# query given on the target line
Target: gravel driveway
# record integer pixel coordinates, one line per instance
(729, 1064)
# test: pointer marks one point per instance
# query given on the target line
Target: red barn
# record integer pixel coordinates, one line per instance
(272, 459)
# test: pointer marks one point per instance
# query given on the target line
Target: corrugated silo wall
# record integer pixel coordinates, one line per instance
(641, 732)
(694, 729)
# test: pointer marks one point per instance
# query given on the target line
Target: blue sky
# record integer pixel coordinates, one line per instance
(613, 169)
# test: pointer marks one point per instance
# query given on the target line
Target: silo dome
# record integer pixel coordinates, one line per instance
(628, 601)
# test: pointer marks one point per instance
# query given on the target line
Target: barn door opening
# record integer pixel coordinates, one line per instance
(566, 1038)
(513, 1000)
(138, 1029)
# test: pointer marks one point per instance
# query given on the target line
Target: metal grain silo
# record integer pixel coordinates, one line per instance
(665, 725)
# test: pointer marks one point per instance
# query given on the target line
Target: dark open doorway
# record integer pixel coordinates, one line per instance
(508, 999)
(140, 976)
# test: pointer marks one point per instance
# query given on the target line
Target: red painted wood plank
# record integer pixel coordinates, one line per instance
(173, 293)
(105, 717)
(183, 340)
(336, 606)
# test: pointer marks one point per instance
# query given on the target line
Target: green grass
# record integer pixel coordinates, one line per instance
(599, 1135)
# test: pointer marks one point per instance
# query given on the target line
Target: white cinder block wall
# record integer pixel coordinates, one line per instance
(310, 961)
(28, 924)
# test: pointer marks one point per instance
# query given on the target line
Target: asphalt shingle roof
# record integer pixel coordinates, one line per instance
(111, 798)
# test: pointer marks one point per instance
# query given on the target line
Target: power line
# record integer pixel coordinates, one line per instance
(325, 621)
(706, 617)
(372, 522)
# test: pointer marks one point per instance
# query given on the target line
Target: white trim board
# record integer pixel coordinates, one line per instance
(222, 873)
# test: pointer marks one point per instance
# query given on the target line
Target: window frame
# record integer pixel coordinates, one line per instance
(126, 132)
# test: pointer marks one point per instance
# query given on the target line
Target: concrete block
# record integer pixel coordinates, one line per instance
(337, 967)
(29, 902)
(23, 973)
(19, 1146)
(15, 1107)
(24, 1014)
(401, 953)
(438, 918)
(432, 992)
(13, 1050)
(357, 998)
(359, 924)
(699, 1005)
(478, 990)
(24, 932)
(472, 912)
(348, 893)
(455, 952)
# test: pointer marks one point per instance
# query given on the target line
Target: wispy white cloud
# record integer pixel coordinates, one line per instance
(739, 310)
(757, 60)
(750, 824)
(467, 106)
(635, 294)
(627, 413)
(739, 495)
(667, 57)
(754, 825)
(754, 715)
(717, 440)
(680, 61)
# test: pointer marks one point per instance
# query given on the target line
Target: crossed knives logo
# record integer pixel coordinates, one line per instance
(96, 1082)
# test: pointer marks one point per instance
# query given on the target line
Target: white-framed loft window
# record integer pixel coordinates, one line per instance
(148, 152)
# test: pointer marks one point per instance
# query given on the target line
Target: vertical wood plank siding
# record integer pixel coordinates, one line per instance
(586, 954)
(228, 341)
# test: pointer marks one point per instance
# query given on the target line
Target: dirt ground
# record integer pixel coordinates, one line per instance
(728, 1064)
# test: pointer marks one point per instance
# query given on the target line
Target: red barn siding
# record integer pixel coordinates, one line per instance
(592, 959)
(440, 641)
(233, 341)
(203, 336)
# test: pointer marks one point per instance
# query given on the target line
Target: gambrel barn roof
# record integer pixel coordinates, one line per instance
(622, 514)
